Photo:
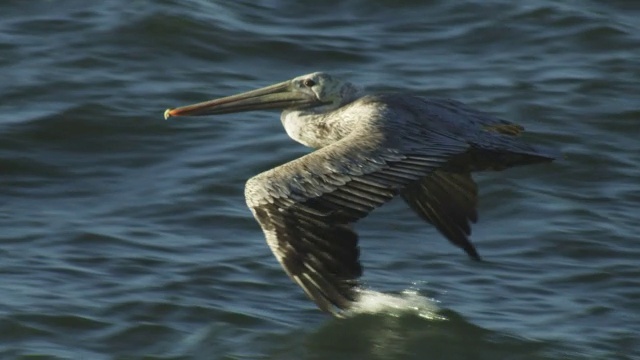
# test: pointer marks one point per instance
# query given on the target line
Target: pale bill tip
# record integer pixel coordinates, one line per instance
(167, 114)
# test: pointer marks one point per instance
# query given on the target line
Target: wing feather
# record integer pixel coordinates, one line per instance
(448, 201)
(306, 208)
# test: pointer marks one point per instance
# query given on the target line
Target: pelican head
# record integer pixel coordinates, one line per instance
(316, 92)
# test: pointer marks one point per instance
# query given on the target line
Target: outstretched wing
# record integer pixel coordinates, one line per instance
(306, 207)
(448, 201)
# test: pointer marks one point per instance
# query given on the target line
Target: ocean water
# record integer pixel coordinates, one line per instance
(124, 236)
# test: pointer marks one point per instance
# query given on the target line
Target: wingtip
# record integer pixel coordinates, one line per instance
(473, 254)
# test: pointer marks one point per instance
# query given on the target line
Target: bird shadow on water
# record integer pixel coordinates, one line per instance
(410, 326)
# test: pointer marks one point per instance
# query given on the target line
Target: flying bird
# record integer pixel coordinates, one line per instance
(369, 149)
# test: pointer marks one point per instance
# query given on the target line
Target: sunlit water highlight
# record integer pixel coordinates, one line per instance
(407, 302)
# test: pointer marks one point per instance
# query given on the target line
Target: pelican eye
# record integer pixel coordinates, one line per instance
(309, 83)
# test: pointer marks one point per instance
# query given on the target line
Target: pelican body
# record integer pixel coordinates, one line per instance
(369, 149)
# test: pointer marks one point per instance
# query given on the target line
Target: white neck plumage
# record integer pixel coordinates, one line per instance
(321, 126)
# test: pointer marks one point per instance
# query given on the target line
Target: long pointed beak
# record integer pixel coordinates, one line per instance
(278, 96)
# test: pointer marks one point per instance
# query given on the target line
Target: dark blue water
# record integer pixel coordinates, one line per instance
(126, 236)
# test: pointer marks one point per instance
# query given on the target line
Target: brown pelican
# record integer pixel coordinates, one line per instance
(370, 148)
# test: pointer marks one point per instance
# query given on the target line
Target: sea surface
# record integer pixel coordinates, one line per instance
(125, 236)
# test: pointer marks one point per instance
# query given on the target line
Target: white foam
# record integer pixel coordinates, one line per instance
(407, 302)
